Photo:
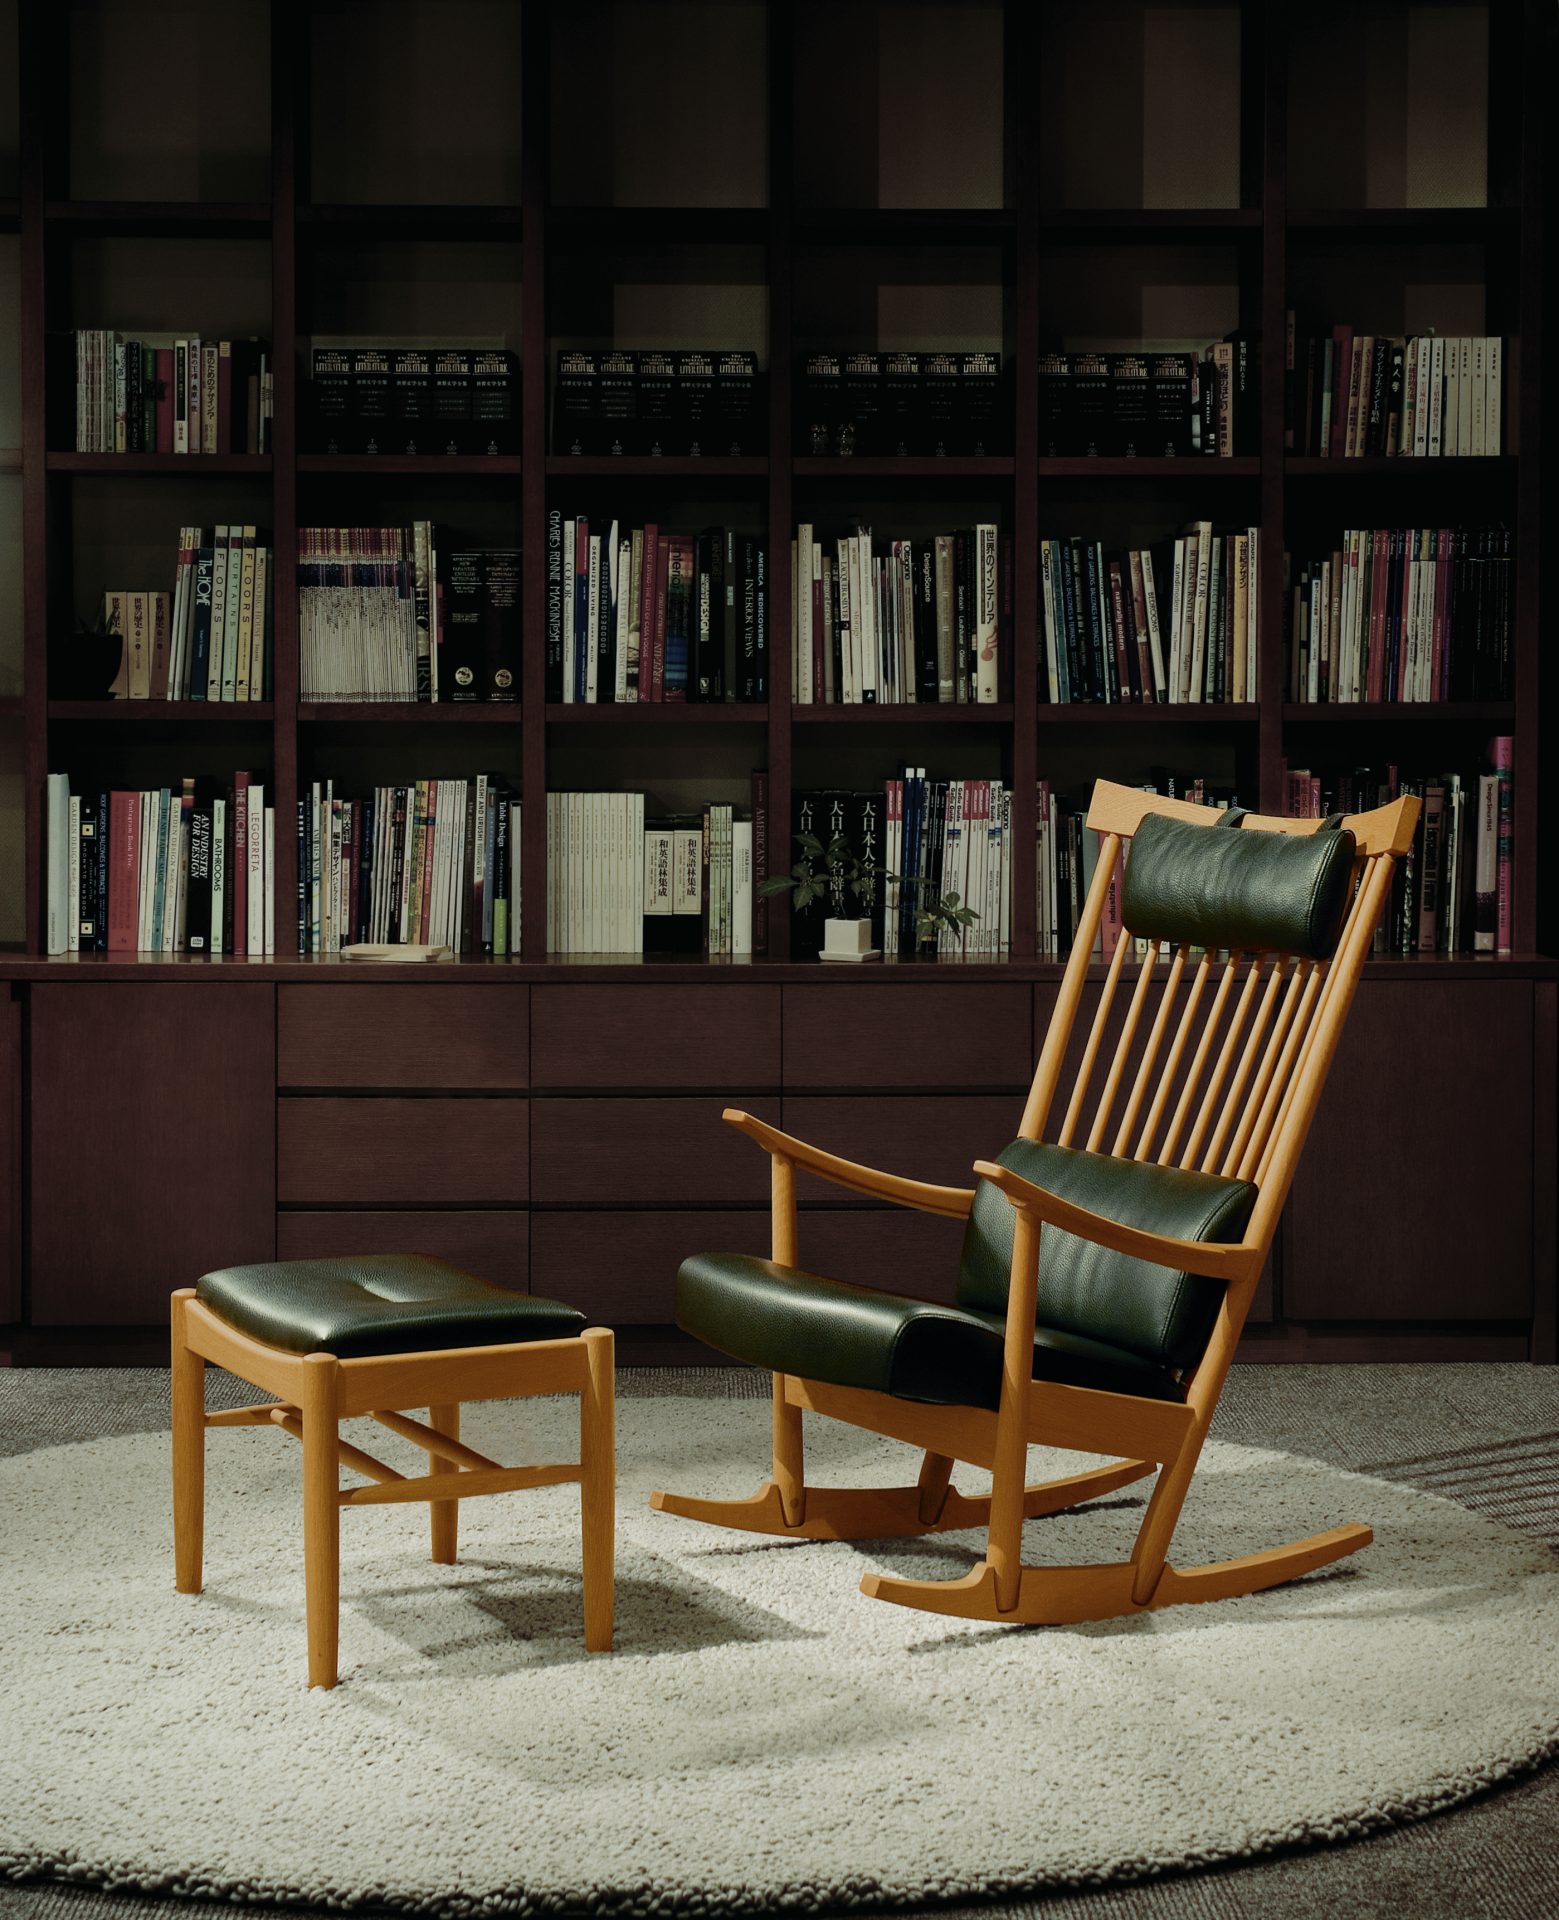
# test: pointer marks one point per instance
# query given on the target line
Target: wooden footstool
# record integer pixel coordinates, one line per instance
(334, 1338)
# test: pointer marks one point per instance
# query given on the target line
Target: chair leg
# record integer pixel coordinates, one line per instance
(1151, 1548)
(790, 1474)
(598, 1485)
(189, 1453)
(936, 1471)
(321, 1516)
(444, 1515)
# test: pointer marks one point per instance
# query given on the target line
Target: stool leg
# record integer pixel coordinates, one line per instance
(189, 1453)
(598, 1485)
(321, 1516)
(445, 1513)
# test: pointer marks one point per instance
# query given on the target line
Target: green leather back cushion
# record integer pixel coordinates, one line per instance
(1088, 1290)
(1237, 888)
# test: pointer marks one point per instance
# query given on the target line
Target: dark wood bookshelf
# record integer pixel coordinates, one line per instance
(1026, 223)
(491, 466)
(658, 713)
(148, 465)
(155, 713)
(164, 219)
(1384, 713)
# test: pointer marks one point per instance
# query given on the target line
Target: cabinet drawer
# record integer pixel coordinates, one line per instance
(635, 1036)
(492, 1245)
(913, 1253)
(621, 1268)
(934, 1137)
(859, 1034)
(383, 1152)
(647, 1153)
(392, 1036)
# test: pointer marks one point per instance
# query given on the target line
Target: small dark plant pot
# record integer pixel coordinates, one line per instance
(85, 666)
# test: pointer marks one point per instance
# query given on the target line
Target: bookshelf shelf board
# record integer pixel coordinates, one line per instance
(413, 220)
(674, 226)
(1326, 713)
(1164, 713)
(10, 459)
(147, 219)
(1406, 223)
(652, 713)
(438, 713)
(634, 467)
(907, 226)
(1194, 468)
(1492, 468)
(163, 465)
(1152, 225)
(904, 713)
(128, 713)
(997, 466)
(424, 465)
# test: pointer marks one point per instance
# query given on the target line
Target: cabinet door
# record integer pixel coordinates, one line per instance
(153, 1143)
(1413, 1199)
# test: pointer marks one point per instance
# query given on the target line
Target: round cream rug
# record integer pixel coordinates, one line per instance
(763, 1734)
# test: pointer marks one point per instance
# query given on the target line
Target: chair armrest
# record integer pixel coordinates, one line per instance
(954, 1202)
(1191, 1256)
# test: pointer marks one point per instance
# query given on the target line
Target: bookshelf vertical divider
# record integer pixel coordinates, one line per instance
(1266, 67)
(781, 263)
(1536, 72)
(535, 195)
(1019, 63)
(291, 173)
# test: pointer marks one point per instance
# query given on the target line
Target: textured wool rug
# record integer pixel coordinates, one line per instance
(763, 1735)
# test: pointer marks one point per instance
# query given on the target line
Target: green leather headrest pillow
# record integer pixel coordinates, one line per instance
(1233, 887)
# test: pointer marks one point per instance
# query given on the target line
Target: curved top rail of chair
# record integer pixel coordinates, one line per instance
(1121, 810)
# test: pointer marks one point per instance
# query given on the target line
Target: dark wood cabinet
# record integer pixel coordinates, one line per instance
(935, 1137)
(11, 1129)
(866, 1035)
(153, 1143)
(621, 1266)
(647, 1152)
(652, 1036)
(391, 1036)
(1413, 1199)
(386, 1152)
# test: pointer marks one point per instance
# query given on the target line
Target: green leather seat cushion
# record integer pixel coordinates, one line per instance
(850, 1336)
(1246, 889)
(379, 1303)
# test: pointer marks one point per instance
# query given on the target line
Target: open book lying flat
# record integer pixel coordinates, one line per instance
(377, 950)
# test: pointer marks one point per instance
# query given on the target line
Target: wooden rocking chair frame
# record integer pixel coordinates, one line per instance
(1255, 1105)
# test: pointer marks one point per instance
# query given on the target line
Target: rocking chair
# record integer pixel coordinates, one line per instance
(1105, 1278)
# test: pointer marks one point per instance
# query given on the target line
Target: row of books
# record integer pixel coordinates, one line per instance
(185, 869)
(620, 883)
(213, 637)
(1405, 613)
(1160, 406)
(898, 620)
(694, 402)
(1175, 624)
(1453, 892)
(431, 863)
(1351, 395)
(648, 614)
(171, 394)
(903, 404)
(393, 614)
(415, 400)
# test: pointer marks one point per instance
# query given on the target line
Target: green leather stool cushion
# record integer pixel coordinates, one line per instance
(849, 1336)
(1239, 888)
(379, 1303)
(1087, 1291)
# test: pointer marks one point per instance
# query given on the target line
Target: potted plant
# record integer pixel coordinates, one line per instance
(834, 872)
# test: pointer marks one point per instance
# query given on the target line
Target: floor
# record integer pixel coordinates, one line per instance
(1485, 1435)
